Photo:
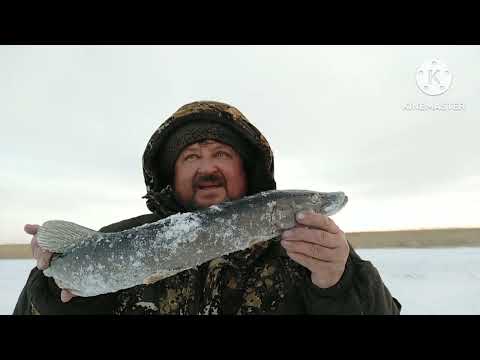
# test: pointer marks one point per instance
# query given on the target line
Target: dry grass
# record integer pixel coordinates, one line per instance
(373, 239)
(15, 251)
(416, 238)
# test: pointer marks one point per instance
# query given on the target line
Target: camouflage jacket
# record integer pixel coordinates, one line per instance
(259, 280)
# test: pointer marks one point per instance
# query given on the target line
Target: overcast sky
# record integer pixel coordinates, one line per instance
(76, 120)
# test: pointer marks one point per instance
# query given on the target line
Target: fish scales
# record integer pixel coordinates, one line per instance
(92, 263)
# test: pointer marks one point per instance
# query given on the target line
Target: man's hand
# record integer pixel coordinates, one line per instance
(318, 244)
(43, 258)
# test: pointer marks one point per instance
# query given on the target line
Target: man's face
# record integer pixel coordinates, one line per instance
(209, 173)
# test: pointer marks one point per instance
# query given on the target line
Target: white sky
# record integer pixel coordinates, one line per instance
(75, 121)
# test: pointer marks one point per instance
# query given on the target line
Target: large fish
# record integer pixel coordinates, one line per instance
(91, 263)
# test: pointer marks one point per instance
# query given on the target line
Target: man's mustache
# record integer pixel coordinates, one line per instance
(214, 179)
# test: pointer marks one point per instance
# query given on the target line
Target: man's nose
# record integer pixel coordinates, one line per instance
(207, 166)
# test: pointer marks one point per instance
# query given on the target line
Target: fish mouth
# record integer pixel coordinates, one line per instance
(339, 195)
(342, 204)
(334, 204)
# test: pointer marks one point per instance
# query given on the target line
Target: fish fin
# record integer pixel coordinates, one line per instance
(58, 236)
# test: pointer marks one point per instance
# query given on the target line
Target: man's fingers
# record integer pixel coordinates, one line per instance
(312, 250)
(313, 236)
(318, 221)
(66, 295)
(321, 247)
(34, 246)
(31, 229)
(326, 274)
(306, 261)
(43, 260)
(42, 256)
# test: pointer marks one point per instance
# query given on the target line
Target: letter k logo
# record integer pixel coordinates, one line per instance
(433, 77)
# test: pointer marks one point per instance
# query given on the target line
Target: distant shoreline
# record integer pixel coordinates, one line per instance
(424, 238)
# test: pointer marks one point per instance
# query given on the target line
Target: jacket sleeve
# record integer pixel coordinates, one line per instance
(23, 306)
(360, 291)
(41, 296)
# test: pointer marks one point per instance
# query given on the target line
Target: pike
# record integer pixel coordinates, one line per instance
(91, 263)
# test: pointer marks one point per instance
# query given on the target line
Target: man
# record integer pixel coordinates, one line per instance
(206, 153)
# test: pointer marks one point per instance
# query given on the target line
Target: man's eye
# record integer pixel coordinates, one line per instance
(222, 154)
(191, 157)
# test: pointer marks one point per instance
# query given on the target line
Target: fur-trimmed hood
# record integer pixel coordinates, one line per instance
(260, 172)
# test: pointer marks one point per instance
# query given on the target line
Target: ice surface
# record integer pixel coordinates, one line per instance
(13, 276)
(425, 281)
(431, 281)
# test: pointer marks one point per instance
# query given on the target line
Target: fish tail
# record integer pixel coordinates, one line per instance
(58, 236)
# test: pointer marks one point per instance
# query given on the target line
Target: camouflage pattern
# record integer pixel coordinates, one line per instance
(240, 284)
(258, 280)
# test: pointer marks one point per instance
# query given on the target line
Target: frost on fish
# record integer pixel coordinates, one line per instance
(144, 256)
(91, 263)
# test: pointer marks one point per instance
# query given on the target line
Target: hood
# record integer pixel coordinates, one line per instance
(260, 172)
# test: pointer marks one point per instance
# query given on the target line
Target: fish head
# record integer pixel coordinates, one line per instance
(326, 203)
(287, 203)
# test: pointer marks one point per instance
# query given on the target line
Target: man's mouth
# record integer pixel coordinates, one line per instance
(208, 186)
(209, 183)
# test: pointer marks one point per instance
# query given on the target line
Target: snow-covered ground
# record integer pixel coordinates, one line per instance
(425, 281)
(431, 281)
(13, 276)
